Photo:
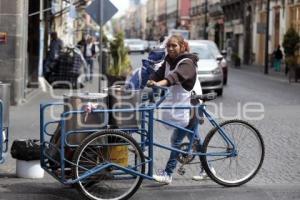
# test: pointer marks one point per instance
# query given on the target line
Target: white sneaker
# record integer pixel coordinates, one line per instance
(203, 176)
(163, 178)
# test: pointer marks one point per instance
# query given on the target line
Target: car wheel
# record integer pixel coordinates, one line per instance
(219, 92)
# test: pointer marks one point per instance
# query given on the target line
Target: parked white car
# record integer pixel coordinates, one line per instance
(152, 45)
(135, 45)
(210, 72)
(221, 58)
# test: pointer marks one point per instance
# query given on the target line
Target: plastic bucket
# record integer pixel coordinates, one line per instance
(4, 154)
(122, 98)
(5, 97)
(29, 169)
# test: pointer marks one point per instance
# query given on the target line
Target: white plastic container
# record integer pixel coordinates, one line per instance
(4, 155)
(29, 169)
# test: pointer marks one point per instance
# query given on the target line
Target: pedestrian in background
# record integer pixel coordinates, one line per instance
(277, 59)
(82, 42)
(55, 48)
(89, 52)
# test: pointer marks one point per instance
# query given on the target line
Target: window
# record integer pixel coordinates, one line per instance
(295, 18)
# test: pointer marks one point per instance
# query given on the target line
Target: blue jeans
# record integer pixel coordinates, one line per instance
(176, 140)
(89, 72)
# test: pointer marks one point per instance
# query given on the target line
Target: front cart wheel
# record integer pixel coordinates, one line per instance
(100, 150)
(240, 165)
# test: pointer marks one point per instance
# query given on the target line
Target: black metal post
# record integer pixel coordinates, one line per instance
(267, 39)
(177, 24)
(206, 20)
(100, 60)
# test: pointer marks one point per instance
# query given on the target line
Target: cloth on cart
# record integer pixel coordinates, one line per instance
(138, 79)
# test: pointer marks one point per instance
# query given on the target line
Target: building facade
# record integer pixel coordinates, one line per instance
(216, 23)
(172, 14)
(184, 20)
(162, 18)
(20, 53)
(197, 11)
(151, 20)
(13, 57)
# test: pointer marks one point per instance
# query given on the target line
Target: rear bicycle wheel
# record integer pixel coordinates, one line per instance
(241, 167)
(103, 148)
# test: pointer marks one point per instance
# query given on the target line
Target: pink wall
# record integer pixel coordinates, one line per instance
(184, 7)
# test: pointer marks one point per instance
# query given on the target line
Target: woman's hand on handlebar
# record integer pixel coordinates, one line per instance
(161, 83)
(152, 83)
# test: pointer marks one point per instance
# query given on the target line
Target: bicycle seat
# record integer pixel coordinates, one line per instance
(205, 97)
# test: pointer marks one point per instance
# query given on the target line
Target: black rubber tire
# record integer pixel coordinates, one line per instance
(219, 92)
(101, 134)
(206, 143)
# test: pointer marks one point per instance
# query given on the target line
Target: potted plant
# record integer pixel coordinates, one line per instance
(120, 66)
(236, 60)
(291, 45)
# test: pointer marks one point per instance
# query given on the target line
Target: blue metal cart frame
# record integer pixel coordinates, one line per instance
(145, 131)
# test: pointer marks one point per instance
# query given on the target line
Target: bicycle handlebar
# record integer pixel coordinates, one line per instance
(205, 97)
(166, 92)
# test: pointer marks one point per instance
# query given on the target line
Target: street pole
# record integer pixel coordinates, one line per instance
(178, 23)
(206, 20)
(267, 39)
(100, 48)
(41, 42)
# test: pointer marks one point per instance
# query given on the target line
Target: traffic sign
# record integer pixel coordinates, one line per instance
(94, 10)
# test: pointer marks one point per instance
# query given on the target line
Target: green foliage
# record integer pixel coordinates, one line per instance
(121, 65)
(290, 42)
(291, 61)
(236, 59)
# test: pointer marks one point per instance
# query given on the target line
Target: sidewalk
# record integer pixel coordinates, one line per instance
(259, 69)
(24, 119)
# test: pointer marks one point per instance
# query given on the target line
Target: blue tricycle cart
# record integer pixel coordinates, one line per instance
(111, 161)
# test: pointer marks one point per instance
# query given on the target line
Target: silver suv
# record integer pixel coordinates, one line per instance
(210, 72)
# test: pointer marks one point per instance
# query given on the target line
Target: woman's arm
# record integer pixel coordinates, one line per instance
(184, 74)
(159, 74)
(161, 83)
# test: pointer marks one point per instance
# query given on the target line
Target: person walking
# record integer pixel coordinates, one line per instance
(179, 73)
(82, 42)
(277, 59)
(89, 52)
(55, 48)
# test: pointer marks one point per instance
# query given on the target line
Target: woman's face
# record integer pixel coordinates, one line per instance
(173, 48)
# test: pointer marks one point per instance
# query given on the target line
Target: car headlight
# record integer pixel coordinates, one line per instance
(218, 70)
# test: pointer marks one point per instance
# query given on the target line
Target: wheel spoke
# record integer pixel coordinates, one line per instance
(237, 169)
(111, 182)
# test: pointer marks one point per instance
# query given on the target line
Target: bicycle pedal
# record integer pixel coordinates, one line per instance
(181, 171)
